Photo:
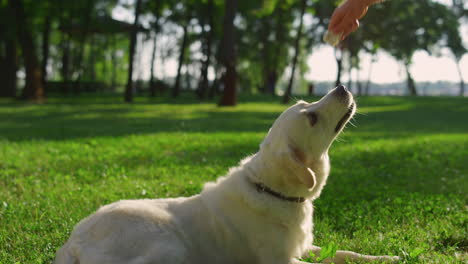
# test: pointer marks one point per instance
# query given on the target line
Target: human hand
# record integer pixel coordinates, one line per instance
(345, 18)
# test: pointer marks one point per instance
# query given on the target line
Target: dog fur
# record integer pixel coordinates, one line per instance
(230, 221)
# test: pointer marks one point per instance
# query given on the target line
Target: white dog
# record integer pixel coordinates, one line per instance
(261, 212)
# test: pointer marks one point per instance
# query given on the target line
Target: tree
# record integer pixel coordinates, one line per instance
(182, 15)
(133, 41)
(412, 30)
(338, 52)
(183, 46)
(369, 74)
(45, 47)
(152, 84)
(229, 97)
(8, 53)
(33, 90)
(287, 94)
(274, 37)
(207, 46)
(8, 68)
(157, 12)
(279, 51)
(454, 41)
(457, 62)
(83, 37)
(353, 45)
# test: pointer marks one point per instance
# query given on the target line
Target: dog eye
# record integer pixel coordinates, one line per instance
(313, 118)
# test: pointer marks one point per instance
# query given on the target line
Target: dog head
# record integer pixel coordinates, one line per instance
(298, 142)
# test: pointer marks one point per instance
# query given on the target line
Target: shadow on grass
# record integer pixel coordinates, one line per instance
(61, 121)
(62, 126)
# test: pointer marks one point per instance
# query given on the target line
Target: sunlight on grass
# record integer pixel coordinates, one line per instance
(392, 108)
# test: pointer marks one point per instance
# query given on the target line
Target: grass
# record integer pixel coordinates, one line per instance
(398, 184)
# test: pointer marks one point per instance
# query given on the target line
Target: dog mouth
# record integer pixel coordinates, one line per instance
(345, 118)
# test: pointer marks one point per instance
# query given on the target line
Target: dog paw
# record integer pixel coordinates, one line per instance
(391, 259)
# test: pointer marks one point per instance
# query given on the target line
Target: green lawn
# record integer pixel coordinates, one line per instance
(398, 185)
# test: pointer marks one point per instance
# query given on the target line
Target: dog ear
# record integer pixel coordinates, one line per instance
(297, 161)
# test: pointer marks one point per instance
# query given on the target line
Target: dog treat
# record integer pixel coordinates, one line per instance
(332, 38)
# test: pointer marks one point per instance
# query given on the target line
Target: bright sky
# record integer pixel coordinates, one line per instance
(322, 67)
(322, 64)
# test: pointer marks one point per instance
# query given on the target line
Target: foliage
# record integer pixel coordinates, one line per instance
(407, 27)
(87, 45)
(327, 251)
(402, 27)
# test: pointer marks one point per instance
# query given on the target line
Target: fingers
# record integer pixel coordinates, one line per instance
(345, 28)
(339, 26)
(335, 20)
(344, 19)
(353, 26)
(364, 12)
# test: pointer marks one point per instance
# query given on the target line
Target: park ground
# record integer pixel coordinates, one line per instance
(398, 185)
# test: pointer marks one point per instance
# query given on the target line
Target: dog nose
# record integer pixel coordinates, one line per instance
(341, 88)
(341, 91)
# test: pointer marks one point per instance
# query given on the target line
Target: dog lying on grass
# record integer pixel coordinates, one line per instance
(261, 212)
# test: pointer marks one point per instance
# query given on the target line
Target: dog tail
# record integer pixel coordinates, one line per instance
(64, 256)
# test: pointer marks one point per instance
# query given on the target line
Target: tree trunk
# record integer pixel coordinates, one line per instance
(64, 49)
(176, 88)
(280, 32)
(45, 50)
(93, 52)
(265, 54)
(9, 69)
(367, 87)
(153, 58)
(133, 41)
(114, 65)
(203, 86)
(270, 61)
(359, 86)
(214, 87)
(138, 54)
(271, 82)
(153, 89)
(339, 64)
(200, 91)
(410, 82)
(33, 90)
(103, 48)
(188, 80)
(65, 69)
(288, 92)
(350, 80)
(310, 89)
(229, 97)
(462, 82)
(83, 38)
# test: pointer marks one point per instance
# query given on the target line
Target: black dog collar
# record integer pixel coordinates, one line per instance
(262, 188)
